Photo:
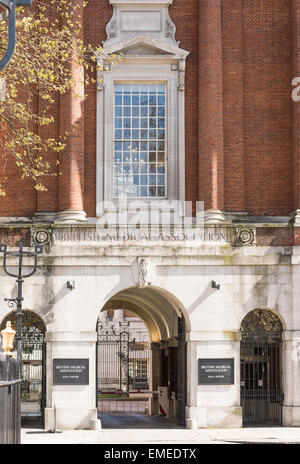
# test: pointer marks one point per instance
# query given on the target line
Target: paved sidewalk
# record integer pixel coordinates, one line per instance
(164, 436)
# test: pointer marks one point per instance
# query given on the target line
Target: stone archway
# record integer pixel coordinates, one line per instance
(164, 319)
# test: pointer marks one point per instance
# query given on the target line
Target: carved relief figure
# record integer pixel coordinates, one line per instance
(143, 273)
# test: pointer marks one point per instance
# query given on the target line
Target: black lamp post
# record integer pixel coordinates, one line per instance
(10, 9)
(38, 249)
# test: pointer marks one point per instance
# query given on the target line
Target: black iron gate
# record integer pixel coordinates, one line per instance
(33, 392)
(33, 366)
(261, 386)
(122, 370)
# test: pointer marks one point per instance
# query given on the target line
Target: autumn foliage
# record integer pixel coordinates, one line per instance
(49, 37)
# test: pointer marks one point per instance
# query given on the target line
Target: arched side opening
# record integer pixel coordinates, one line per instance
(261, 368)
(33, 391)
(147, 376)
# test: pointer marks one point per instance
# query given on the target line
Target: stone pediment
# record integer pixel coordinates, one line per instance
(143, 50)
(146, 46)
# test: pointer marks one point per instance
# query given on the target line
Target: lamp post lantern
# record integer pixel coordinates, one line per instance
(8, 335)
(10, 11)
(20, 276)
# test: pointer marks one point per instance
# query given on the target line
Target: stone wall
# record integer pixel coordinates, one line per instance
(178, 281)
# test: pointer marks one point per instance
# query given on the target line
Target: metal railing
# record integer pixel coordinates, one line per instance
(10, 401)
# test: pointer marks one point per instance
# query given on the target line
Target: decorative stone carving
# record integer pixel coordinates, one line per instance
(170, 29)
(181, 75)
(50, 318)
(111, 29)
(143, 269)
(295, 217)
(244, 236)
(42, 236)
(140, 17)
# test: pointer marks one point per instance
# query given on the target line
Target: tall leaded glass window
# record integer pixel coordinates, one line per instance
(140, 162)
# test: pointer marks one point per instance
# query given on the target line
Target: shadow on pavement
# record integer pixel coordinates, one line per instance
(136, 421)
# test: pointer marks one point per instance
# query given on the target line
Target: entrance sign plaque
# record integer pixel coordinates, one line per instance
(71, 371)
(215, 371)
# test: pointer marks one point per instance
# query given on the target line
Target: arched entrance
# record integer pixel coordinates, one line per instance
(123, 363)
(261, 365)
(147, 377)
(33, 392)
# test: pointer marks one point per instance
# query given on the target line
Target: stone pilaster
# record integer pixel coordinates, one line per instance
(295, 38)
(211, 143)
(233, 89)
(71, 180)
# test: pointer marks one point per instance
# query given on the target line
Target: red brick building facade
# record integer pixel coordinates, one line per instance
(241, 147)
(222, 126)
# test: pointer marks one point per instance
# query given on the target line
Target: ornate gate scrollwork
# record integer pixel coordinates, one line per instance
(261, 324)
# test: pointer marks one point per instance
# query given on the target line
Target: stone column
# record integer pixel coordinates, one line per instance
(46, 203)
(295, 38)
(71, 180)
(211, 144)
(233, 89)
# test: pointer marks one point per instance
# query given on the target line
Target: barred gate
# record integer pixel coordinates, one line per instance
(33, 374)
(261, 388)
(33, 365)
(122, 370)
